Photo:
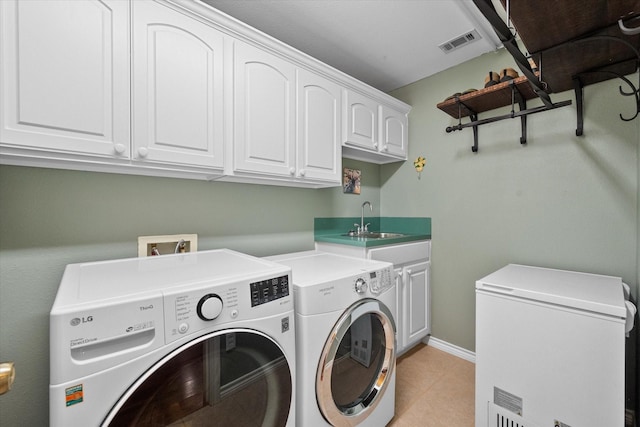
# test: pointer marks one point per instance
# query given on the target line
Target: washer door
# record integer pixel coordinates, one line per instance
(230, 377)
(356, 363)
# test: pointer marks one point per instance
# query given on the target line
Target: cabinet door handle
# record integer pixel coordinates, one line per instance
(385, 148)
(302, 172)
(292, 171)
(143, 151)
(119, 148)
(409, 272)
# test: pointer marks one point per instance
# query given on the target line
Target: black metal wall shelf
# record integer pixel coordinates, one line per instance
(511, 92)
(576, 44)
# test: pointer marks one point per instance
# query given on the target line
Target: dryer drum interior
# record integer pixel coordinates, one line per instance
(356, 364)
(235, 376)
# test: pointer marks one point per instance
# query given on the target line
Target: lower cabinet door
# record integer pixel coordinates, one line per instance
(416, 296)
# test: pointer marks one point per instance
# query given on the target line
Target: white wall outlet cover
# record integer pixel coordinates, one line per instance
(166, 244)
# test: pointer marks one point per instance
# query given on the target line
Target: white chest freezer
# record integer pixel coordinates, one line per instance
(550, 349)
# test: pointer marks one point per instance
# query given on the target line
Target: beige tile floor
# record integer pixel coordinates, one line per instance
(434, 389)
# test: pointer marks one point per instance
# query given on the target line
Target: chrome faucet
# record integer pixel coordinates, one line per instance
(364, 227)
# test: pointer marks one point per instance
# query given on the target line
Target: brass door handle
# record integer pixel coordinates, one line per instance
(7, 375)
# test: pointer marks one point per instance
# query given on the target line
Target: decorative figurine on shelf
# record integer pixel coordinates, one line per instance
(419, 165)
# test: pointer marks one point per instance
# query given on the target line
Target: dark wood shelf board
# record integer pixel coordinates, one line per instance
(486, 99)
(555, 33)
(544, 24)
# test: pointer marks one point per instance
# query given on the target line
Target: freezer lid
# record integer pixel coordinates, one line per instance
(584, 291)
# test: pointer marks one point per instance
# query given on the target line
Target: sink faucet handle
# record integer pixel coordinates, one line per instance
(357, 226)
(366, 226)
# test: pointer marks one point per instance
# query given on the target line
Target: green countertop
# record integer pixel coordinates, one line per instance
(334, 230)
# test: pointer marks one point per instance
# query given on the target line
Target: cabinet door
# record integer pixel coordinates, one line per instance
(393, 132)
(416, 303)
(64, 73)
(318, 142)
(360, 121)
(178, 85)
(264, 107)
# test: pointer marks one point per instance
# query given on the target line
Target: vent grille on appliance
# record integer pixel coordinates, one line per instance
(460, 41)
(500, 417)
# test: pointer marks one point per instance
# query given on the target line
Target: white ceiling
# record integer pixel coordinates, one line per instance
(385, 43)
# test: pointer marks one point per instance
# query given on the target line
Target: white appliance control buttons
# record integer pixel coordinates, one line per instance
(361, 285)
(376, 286)
(209, 307)
(183, 328)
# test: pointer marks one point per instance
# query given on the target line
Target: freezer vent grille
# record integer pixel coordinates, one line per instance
(500, 417)
(460, 41)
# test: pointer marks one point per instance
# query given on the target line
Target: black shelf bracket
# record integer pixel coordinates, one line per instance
(516, 98)
(578, 86)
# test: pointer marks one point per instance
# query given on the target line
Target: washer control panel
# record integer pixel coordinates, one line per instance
(191, 310)
(269, 290)
(376, 281)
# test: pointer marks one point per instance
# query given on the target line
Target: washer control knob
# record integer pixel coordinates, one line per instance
(361, 285)
(209, 307)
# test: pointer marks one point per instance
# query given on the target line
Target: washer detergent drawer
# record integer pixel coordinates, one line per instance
(87, 341)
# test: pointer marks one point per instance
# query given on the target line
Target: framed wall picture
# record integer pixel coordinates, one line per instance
(351, 181)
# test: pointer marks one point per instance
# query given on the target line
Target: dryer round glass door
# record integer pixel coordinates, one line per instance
(357, 363)
(230, 377)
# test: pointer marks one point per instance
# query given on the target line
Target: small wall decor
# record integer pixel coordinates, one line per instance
(419, 165)
(351, 181)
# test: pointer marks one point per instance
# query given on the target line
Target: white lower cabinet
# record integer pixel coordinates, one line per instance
(412, 265)
(177, 89)
(414, 302)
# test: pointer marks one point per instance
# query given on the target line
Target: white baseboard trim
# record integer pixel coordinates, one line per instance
(460, 352)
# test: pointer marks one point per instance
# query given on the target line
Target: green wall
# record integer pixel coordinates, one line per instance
(560, 201)
(50, 218)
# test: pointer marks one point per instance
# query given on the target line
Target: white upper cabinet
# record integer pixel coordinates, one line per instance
(319, 118)
(264, 112)
(276, 136)
(361, 121)
(374, 131)
(177, 87)
(394, 127)
(64, 78)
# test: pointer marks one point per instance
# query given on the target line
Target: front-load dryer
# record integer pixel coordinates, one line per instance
(174, 340)
(345, 336)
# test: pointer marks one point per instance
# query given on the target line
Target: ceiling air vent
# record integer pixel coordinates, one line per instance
(460, 41)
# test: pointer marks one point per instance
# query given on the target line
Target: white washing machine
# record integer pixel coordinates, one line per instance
(346, 339)
(173, 340)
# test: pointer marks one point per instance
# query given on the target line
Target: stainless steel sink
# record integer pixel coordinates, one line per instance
(374, 235)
